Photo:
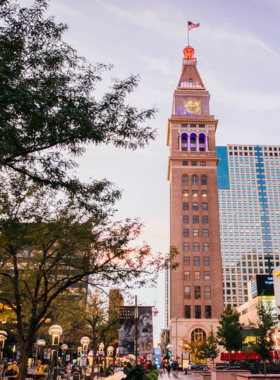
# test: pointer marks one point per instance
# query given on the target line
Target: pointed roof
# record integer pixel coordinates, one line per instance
(190, 77)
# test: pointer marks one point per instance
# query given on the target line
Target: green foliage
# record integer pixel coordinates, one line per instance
(261, 330)
(230, 330)
(48, 112)
(210, 348)
(137, 373)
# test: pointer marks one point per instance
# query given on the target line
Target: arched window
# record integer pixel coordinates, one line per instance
(198, 335)
(202, 142)
(185, 180)
(193, 142)
(203, 180)
(194, 180)
(184, 141)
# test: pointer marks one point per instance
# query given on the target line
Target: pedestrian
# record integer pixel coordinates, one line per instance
(101, 370)
(68, 370)
(168, 369)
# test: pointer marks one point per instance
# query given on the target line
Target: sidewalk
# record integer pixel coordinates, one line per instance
(120, 375)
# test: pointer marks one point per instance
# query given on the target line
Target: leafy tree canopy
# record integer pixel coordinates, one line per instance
(230, 330)
(48, 112)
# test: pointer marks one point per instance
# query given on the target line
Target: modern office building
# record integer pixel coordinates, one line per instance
(195, 297)
(249, 194)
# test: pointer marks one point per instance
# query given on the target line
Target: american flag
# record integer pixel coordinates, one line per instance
(191, 25)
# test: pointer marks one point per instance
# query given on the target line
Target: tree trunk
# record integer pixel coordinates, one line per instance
(23, 363)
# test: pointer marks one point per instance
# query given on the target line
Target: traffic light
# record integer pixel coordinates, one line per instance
(169, 353)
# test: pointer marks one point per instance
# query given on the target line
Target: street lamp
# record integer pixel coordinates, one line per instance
(3, 337)
(176, 319)
(40, 343)
(55, 331)
(64, 348)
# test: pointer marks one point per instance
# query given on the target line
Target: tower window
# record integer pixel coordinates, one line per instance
(204, 206)
(187, 260)
(187, 291)
(186, 219)
(185, 163)
(194, 180)
(202, 163)
(207, 275)
(185, 180)
(204, 193)
(197, 293)
(185, 193)
(185, 206)
(207, 292)
(184, 142)
(205, 233)
(186, 233)
(197, 311)
(195, 206)
(205, 247)
(187, 276)
(205, 219)
(208, 311)
(195, 219)
(194, 163)
(187, 311)
(195, 193)
(196, 247)
(206, 261)
(196, 260)
(197, 275)
(195, 233)
(186, 247)
(203, 180)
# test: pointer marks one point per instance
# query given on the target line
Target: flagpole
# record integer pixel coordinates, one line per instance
(188, 35)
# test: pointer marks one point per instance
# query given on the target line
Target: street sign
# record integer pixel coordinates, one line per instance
(83, 362)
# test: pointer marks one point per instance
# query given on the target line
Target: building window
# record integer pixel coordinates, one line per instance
(195, 219)
(187, 276)
(196, 260)
(205, 233)
(187, 260)
(195, 206)
(205, 247)
(186, 233)
(185, 163)
(185, 206)
(185, 180)
(197, 275)
(207, 292)
(185, 219)
(204, 193)
(195, 233)
(186, 247)
(203, 180)
(197, 311)
(206, 275)
(202, 163)
(187, 292)
(193, 163)
(185, 193)
(197, 293)
(194, 180)
(206, 261)
(195, 193)
(205, 219)
(196, 247)
(208, 312)
(187, 311)
(204, 206)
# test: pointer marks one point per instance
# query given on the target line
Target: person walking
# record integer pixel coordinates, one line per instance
(168, 369)
(68, 370)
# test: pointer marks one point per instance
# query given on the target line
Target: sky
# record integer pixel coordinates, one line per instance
(238, 50)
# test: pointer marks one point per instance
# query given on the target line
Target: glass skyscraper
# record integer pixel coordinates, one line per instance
(249, 194)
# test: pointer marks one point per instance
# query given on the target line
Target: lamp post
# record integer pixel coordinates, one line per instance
(64, 348)
(3, 337)
(176, 319)
(110, 351)
(84, 342)
(40, 343)
(55, 331)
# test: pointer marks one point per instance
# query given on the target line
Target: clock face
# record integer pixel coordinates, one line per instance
(192, 107)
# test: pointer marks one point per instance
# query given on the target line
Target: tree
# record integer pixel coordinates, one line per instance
(261, 330)
(230, 330)
(194, 348)
(210, 347)
(47, 109)
(48, 244)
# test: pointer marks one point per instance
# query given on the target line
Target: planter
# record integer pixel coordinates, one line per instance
(258, 377)
(229, 374)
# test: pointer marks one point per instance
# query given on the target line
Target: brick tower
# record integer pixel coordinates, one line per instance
(196, 286)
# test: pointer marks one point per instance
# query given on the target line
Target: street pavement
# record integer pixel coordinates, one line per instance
(164, 376)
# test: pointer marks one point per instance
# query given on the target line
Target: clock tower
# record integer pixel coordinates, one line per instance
(196, 286)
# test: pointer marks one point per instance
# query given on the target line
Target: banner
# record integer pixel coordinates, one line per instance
(145, 336)
(126, 330)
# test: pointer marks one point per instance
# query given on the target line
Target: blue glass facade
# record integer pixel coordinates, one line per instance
(249, 197)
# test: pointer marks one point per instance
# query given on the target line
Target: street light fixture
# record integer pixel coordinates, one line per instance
(55, 331)
(3, 337)
(39, 343)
